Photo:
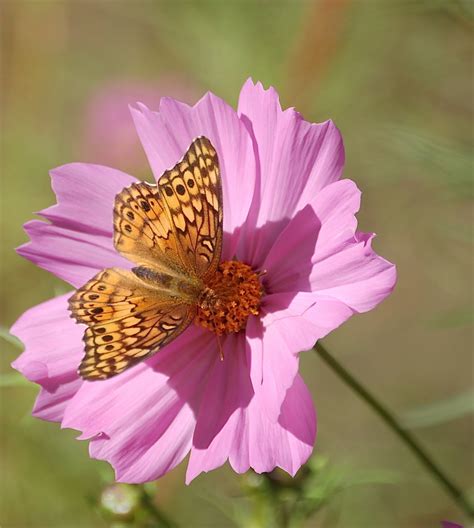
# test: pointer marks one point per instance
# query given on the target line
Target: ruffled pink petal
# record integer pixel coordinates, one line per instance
(70, 254)
(85, 195)
(342, 265)
(250, 440)
(356, 276)
(142, 421)
(291, 323)
(78, 241)
(109, 136)
(53, 351)
(228, 388)
(167, 134)
(296, 160)
(51, 405)
(323, 227)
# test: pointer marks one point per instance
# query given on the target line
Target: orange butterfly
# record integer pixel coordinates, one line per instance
(173, 233)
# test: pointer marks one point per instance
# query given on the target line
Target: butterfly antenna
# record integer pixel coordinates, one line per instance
(218, 337)
(219, 346)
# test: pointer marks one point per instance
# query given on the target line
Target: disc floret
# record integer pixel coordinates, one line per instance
(231, 295)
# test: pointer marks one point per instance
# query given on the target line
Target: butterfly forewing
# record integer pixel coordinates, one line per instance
(178, 224)
(192, 195)
(173, 231)
(143, 230)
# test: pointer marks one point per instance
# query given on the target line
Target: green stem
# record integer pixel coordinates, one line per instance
(155, 513)
(402, 433)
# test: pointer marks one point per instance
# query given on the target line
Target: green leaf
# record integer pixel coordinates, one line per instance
(449, 164)
(5, 334)
(457, 318)
(440, 412)
(14, 379)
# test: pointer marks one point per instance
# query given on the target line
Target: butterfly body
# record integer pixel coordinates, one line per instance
(185, 288)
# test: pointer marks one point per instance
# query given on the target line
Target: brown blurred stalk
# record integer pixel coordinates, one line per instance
(321, 37)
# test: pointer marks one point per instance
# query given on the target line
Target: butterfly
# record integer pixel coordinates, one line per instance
(172, 232)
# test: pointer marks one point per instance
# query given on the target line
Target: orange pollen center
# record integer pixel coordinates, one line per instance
(230, 296)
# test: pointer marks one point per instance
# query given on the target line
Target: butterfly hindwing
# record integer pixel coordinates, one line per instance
(127, 320)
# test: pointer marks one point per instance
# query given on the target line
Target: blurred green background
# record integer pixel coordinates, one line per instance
(396, 76)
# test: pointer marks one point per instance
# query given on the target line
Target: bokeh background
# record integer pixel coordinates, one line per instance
(397, 78)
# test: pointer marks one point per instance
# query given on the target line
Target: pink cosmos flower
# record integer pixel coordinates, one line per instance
(108, 135)
(286, 211)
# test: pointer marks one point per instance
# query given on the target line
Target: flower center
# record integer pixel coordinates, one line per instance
(230, 296)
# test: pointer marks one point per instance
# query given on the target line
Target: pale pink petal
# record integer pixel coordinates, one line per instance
(320, 251)
(85, 194)
(142, 421)
(251, 440)
(70, 254)
(78, 242)
(288, 264)
(167, 134)
(51, 404)
(109, 135)
(356, 276)
(291, 323)
(323, 227)
(228, 388)
(296, 160)
(53, 351)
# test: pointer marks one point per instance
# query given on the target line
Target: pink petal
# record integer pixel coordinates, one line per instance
(78, 241)
(167, 134)
(320, 251)
(356, 276)
(250, 439)
(291, 323)
(53, 350)
(109, 135)
(228, 388)
(70, 254)
(85, 195)
(296, 160)
(323, 227)
(51, 405)
(142, 421)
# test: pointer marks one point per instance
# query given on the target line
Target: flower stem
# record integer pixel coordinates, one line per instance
(156, 514)
(396, 427)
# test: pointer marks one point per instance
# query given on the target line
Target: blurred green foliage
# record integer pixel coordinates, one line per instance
(396, 77)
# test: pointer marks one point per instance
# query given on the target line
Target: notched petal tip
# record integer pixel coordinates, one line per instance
(35, 371)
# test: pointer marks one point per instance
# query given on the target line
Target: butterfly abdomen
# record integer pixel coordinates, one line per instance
(149, 275)
(186, 289)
